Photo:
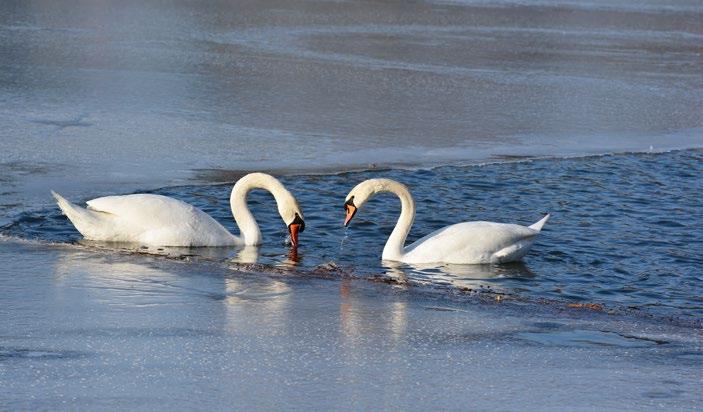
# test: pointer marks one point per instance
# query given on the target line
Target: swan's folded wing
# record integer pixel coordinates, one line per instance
(486, 233)
(161, 220)
(468, 241)
(151, 210)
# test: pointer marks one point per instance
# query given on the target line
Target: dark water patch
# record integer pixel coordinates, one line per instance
(441, 309)
(136, 332)
(695, 357)
(62, 124)
(509, 157)
(548, 325)
(44, 225)
(587, 338)
(91, 401)
(663, 394)
(9, 353)
(599, 247)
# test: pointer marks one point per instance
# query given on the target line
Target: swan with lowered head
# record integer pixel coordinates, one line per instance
(461, 243)
(156, 220)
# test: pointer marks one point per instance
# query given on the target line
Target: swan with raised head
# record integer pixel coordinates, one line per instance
(157, 220)
(461, 243)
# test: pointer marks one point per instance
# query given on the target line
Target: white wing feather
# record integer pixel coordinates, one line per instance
(472, 242)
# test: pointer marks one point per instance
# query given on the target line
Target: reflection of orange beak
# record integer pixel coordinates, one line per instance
(293, 255)
(294, 229)
(351, 211)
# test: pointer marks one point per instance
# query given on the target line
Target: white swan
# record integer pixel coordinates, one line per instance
(157, 220)
(461, 243)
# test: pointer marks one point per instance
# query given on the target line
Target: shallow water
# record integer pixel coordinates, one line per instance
(625, 229)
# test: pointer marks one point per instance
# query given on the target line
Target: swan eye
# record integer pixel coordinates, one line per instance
(295, 227)
(349, 202)
(299, 221)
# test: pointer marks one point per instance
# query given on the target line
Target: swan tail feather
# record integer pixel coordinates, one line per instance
(68, 208)
(85, 221)
(538, 225)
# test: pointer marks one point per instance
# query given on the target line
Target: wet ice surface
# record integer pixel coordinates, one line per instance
(625, 232)
(94, 330)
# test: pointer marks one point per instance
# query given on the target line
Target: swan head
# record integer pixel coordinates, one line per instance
(293, 217)
(358, 197)
(362, 192)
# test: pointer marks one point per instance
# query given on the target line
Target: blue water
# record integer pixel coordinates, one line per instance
(626, 230)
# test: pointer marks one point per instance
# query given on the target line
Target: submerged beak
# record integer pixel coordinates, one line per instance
(351, 211)
(297, 226)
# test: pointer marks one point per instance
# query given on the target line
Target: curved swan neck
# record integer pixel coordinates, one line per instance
(248, 228)
(395, 246)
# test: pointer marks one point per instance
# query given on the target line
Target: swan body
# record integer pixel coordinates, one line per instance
(157, 220)
(461, 243)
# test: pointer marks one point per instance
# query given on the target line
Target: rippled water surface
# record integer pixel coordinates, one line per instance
(626, 229)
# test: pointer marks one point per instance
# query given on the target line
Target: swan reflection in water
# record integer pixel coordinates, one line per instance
(265, 302)
(234, 254)
(215, 297)
(357, 319)
(248, 255)
(214, 253)
(261, 308)
(456, 276)
(124, 280)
